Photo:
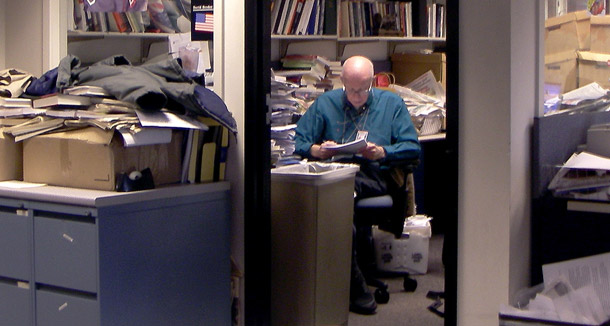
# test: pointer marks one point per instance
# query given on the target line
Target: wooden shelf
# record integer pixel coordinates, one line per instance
(80, 35)
(146, 39)
(393, 41)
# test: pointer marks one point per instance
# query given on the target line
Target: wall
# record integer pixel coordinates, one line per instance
(229, 83)
(24, 33)
(2, 34)
(497, 104)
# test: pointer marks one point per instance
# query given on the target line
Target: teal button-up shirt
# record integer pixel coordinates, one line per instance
(386, 119)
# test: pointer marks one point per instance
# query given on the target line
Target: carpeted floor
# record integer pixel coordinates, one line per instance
(410, 308)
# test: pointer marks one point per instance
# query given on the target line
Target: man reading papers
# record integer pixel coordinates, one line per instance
(359, 111)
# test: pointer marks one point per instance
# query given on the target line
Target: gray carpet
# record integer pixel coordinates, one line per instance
(410, 308)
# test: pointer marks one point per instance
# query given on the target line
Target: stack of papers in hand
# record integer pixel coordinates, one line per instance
(348, 148)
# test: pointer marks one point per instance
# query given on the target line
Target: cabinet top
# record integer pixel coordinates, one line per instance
(100, 198)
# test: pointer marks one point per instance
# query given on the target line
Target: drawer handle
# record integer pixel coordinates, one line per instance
(67, 237)
(63, 306)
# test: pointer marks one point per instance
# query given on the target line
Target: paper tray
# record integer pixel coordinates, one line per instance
(315, 173)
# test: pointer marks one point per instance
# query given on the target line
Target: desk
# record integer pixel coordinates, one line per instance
(565, 229)
(86, 257)
(430, 181)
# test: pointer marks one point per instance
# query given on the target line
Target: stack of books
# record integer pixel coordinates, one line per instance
(11, 107)
(76, 107)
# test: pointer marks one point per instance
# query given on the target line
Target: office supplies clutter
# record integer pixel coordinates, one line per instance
(135, 180)
(574, 292)
(407, 254)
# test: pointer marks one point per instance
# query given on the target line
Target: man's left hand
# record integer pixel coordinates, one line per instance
(373, 152)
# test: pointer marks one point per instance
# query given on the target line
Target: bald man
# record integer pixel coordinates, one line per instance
(359, 111)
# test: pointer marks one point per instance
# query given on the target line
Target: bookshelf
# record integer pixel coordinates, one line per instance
(343, 33)
(95, 35)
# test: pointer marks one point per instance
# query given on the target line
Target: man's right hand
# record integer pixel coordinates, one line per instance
(321, 152)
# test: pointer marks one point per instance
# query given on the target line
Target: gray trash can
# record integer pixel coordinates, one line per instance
(312, 215)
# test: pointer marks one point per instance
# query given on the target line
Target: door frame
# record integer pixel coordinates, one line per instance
(257, 151)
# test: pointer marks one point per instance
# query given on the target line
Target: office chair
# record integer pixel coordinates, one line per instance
(388, 212)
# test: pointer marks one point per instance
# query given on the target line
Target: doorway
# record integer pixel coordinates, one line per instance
(257, 204)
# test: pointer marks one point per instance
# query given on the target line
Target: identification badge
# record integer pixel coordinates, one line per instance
(362, 134)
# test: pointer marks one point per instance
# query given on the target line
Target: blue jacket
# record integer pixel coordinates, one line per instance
(152, 86)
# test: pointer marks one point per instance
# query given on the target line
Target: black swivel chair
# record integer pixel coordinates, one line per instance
(388, 212)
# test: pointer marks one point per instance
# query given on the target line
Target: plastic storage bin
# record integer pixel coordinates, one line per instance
(407, 254)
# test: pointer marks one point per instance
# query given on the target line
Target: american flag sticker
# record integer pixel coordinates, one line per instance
(204, 22)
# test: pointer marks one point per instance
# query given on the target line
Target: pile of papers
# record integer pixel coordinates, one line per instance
(286, 106)
(574, 292)
(425, 100)
(591, 97)
(583, 176)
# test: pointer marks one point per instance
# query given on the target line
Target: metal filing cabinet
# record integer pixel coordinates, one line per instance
(86, 257)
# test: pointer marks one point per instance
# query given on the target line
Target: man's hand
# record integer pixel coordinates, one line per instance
(373, 152)
(321, 152)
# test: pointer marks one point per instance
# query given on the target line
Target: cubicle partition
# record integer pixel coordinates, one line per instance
(563, 228)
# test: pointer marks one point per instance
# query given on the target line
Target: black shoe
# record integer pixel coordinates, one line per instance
(361, 301)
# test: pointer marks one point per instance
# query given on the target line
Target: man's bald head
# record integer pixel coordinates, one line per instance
(357, 69)
(357, 78)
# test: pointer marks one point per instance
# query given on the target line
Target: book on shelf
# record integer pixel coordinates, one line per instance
(296, 20)
(58, 99)
(319, 28)
(282, 12)
(290, 16)
(344, 30)
(122, 22)
(208, 153)
(313, 18)
(276, 10)
(330, 17)
(301, 28)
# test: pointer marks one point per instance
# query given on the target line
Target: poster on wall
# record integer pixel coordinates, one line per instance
(202, 22)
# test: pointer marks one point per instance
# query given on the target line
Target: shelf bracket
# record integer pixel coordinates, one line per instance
(340, 50)
(284, 44)
(145, 47)
(392, 47)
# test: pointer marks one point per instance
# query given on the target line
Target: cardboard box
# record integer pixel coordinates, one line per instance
(569, 32)
(593, 67)
(600, 34)
(11, 164)
(92, 158)
(406, 67)
(562, 69)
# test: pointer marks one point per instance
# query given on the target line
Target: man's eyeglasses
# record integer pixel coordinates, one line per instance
(361, 92)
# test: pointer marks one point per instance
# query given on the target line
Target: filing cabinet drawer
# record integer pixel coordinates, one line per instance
(15, 305)
(15, 246)
(65, 253)
(54, 309)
